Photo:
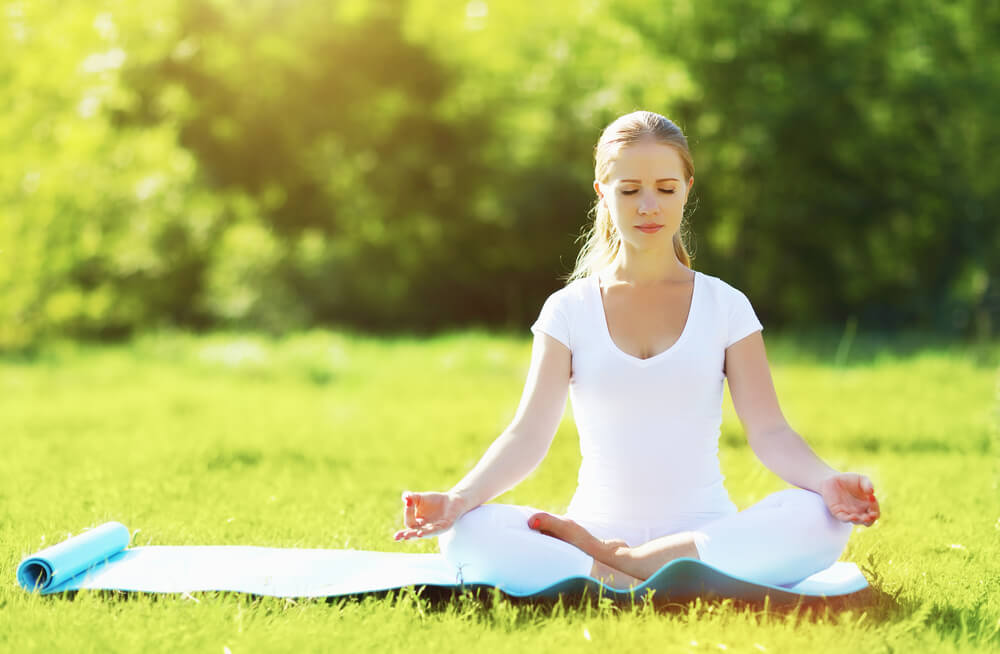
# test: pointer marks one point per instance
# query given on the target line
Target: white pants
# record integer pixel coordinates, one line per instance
(780, 540)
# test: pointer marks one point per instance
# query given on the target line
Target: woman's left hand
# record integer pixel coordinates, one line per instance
(850, 498)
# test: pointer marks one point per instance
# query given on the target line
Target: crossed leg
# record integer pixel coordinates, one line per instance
(614, 557)
(494, 543)
(607, 554)
(781, 539)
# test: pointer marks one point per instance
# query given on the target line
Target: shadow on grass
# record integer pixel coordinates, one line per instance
(442, 598)
(488, 604)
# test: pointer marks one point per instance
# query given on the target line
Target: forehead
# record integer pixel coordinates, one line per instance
(646, 161)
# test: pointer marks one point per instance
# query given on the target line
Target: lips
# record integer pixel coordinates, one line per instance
(650, 228)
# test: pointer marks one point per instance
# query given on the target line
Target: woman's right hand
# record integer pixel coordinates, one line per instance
(427, 514)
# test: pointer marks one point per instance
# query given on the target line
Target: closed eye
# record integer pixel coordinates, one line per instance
(634, 191)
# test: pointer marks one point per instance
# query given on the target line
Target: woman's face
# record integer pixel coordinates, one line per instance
(646, 185)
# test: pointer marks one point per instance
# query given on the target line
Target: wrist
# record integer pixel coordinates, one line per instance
(463, 498)
(822, 477)
(827, 482)
(616, 556)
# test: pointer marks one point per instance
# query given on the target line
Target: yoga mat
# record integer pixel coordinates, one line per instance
(100, 558)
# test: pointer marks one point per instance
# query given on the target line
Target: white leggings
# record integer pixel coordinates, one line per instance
(780, 540)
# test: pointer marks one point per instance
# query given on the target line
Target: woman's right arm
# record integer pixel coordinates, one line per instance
(512, 456)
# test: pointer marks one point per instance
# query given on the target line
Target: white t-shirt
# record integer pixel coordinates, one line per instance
(649, 428)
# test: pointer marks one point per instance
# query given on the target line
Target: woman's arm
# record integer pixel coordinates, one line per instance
(523, 445)
(512, 456)
(849, 496)
(773, 441)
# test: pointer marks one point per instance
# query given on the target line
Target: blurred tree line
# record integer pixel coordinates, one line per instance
(416, 164)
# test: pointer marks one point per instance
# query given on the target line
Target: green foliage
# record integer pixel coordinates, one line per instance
(420, 164)
(847, 155)
(103, 229)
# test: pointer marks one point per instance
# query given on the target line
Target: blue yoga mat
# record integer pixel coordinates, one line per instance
(100, 558)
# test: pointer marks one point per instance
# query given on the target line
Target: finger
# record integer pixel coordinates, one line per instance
(431, 529)
(426, 529)
(867, 489)
(440, 525)
(409, 510)
(407, 534)
(866, 485)
(857, 489)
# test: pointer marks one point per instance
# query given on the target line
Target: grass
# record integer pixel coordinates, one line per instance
(307, 441)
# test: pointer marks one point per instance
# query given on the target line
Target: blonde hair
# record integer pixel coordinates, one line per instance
(603, 241)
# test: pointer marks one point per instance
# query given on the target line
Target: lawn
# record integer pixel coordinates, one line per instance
(308, 440)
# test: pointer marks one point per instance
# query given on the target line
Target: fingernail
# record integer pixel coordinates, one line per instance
(409, 500)
(534, 525)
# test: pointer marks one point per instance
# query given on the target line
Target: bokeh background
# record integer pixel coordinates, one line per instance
(414, 165)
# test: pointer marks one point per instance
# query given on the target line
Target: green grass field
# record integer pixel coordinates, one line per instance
(307, 441)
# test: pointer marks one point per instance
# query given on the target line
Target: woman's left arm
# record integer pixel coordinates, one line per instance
(849, 496)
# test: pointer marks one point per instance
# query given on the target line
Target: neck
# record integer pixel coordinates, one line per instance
(646, 267)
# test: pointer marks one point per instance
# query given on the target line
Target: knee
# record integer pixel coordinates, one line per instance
(819, 523)
(475, 531)
(469, 527)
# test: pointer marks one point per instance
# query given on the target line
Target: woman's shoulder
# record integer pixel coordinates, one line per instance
(733, 309)
(720, 289)
(561, 311)
(573, 292)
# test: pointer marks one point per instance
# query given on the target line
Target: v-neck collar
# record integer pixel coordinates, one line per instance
(596, 286)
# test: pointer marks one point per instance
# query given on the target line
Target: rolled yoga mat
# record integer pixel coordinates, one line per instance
(100, 558)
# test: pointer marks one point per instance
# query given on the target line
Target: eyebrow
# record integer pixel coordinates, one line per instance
(664, 179)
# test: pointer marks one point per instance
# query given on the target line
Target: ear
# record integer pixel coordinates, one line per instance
(690, 185)
(597, 188)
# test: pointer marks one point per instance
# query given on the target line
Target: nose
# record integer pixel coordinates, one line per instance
(647, 203)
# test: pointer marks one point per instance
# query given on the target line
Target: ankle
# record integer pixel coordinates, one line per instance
(615, 554)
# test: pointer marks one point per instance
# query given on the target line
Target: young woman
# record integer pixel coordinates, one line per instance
(643, 344)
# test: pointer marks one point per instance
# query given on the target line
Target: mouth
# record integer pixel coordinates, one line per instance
(649, 228)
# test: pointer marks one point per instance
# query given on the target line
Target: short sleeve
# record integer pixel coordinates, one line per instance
(552, 319)
(742, 319)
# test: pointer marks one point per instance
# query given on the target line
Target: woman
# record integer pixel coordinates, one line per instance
(643, 343)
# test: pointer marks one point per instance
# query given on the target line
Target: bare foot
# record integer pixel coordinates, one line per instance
(607, 552)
